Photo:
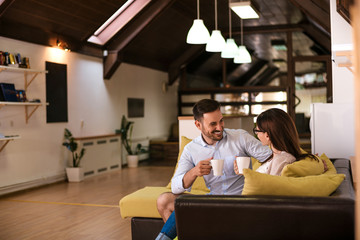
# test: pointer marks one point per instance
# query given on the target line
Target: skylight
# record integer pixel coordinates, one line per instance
(117, 21)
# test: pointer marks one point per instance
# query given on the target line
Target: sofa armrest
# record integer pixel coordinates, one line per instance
(264, 217)
(346, 188)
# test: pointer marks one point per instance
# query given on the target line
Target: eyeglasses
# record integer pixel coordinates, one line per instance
(256, 131)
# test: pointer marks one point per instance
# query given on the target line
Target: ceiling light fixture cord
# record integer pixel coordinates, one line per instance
(216, 25)
(241, 24)
(229, 21)
(198, 9)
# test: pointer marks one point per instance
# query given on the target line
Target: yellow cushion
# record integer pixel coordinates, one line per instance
(303, 167)
(265, 184)
(142, 203)
(331, 168)
(255, 163)
(199, 183)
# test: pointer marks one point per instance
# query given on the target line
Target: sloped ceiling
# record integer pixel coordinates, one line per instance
(155, 38)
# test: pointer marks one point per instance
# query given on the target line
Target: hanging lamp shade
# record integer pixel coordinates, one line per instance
(198, 33)
(216, 42)
(243, 56)
(230, 50)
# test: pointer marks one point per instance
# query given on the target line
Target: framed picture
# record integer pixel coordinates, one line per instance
(135, 107)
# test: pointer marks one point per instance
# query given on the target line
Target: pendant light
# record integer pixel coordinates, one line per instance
(216, 42)
(242, 56)
(230, 49)
(198, 33)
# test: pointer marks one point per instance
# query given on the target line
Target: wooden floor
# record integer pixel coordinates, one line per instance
(86, 210)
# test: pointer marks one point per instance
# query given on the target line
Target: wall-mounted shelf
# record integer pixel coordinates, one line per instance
(6, 140)
(30, 107)
(28, 112)
(347, 55)
(26, 72)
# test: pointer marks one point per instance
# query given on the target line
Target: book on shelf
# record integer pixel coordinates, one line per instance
(2, 58)
(21, 95)
(8, 136)
(8, 92)
(12, 59)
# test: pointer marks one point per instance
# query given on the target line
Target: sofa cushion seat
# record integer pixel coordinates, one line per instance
(142, 203)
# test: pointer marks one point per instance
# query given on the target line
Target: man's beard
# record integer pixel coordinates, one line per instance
(213, 135)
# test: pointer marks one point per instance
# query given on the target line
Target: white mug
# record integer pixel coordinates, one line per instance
(217, 166)
(242, 162)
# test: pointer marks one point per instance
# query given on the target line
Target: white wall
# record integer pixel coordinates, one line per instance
(99, 103)
(343, 79)
(343, 98)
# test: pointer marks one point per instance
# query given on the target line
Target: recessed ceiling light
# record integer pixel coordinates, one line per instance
(245, 9)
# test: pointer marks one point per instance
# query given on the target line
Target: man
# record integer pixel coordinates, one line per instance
(215, 142)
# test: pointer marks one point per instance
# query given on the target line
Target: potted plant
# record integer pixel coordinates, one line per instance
(74, 173)
(126, 133)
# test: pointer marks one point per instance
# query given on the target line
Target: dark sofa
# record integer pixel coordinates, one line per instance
(261, 217)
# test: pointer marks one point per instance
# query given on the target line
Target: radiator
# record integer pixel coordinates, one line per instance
(102, 154)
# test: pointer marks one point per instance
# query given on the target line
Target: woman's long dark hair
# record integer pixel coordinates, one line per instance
(282, 132)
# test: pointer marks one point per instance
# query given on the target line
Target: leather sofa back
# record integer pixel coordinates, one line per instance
(269, 217)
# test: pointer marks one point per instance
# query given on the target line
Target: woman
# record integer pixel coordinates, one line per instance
(276, 129)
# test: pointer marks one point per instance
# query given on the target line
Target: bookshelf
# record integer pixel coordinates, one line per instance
(29, 77)
(27, 72)
(30, 107)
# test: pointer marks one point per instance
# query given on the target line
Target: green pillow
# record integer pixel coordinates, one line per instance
(265, 184)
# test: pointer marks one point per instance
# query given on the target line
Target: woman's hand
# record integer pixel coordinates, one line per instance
(236, 170)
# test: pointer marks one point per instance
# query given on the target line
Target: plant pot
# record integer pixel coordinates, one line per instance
(75, 174)
(132, 160)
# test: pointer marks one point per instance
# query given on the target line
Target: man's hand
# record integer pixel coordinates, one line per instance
(203, 168)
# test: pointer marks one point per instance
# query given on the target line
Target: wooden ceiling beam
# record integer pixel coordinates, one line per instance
(111, 63)
(318, 10)
(38, 36)
(133, 28)
(185, 58)
(5, 5)
(319, 37)
(270, 29)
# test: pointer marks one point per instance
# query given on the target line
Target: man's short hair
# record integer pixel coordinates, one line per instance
(205, 106)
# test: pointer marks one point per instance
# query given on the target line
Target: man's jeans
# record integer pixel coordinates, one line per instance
(169, 229)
